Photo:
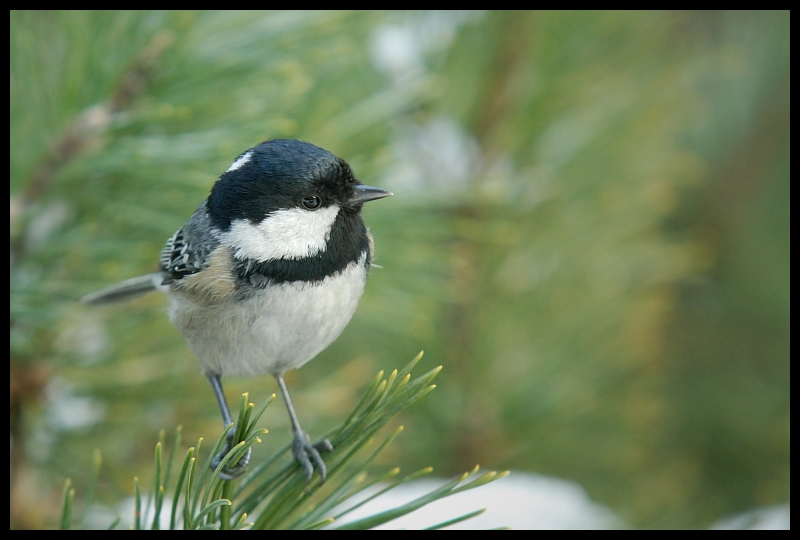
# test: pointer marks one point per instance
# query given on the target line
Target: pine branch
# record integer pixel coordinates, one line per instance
(275, 494)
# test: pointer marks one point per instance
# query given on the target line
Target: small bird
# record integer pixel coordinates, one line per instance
(266, 273)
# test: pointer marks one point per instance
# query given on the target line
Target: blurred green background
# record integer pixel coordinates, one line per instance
(590, 233)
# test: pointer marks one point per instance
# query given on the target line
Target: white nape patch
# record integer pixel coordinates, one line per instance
(286, 234)
(241, 162)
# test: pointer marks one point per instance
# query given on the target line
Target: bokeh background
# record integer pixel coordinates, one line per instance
(590, 233)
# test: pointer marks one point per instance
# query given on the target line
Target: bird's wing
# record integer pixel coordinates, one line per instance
(188, 251)
(196, 264)
(180, 258)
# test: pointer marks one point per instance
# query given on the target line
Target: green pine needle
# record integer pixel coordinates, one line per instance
(66, 512)
(455, 520)
(275, 492)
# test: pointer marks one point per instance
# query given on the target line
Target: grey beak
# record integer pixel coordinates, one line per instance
(364, 193)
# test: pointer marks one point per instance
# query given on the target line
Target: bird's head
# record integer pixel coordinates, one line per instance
(282, 198)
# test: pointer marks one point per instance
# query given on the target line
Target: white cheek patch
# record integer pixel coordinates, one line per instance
(286, 234)
(241, 162)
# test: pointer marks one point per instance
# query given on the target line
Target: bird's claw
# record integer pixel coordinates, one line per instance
(305, 452)
(228, 472)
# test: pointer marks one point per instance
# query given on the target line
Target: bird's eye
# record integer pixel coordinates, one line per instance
(311, 202)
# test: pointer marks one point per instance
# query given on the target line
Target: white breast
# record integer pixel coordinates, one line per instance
(280, 328)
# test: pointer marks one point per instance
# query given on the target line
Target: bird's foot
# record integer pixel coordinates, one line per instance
(305, 453)
(229, 472)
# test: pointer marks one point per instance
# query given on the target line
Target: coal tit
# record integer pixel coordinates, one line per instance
(266, 273)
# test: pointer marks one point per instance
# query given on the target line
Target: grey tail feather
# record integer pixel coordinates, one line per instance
(125, 290)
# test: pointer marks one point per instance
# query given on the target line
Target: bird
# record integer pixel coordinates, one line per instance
(265, 274)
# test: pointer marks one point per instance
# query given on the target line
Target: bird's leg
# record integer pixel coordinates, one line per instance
(227, 473)
(304, 452)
